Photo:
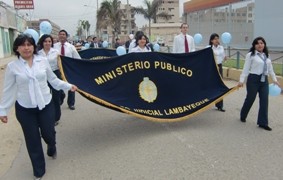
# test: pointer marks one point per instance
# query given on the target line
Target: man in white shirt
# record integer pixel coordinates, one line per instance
(67, 49)
(183, 43)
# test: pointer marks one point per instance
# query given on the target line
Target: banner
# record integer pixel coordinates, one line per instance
(97, 53)
(23, 4)
(155, 86)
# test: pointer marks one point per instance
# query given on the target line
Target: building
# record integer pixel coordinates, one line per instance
(34, 24)
(268, 22)
(11, 24)
(172, 8)
(233, 16)
(128, 25)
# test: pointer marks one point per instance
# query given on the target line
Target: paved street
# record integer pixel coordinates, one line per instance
(97, 143)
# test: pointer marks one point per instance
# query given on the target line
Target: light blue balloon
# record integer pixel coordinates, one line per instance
(105, 44)
(87, 45)
(156, 47)
(33, 33)
(197, 38)
(226, 38)
(121, 51)
(45, 27)
(274, 90)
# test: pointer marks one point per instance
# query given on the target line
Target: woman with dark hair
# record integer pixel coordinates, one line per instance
(26, 83)
(46, 50)
(256, 68)
(220, 56)
(141, 44)
(133, 43)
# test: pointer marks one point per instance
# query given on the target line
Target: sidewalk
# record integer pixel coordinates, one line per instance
(11, 137)
(6, 60)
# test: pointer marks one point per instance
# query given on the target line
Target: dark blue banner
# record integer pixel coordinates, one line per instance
(156, 86)
(97, 53)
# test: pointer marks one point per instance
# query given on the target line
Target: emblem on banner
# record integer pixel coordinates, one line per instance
(148, 90)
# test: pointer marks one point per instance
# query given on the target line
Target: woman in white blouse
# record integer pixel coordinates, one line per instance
(141, 44)
(220, 57)
(256, 68)
(46, 50)
(26, 83)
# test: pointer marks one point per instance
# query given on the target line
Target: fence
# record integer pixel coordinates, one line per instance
(237, 56)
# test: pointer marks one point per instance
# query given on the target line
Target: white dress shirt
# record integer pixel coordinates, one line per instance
(70, 50)
(139, 49)
(179, 43)
(28, 85)
(132, 45)
(255, 65)
(51, 56)
(219, 53)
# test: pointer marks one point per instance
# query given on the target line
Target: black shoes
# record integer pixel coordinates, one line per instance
(51, 151)
(265, 127)
(243, 120)
(72, 107)
(221, 109)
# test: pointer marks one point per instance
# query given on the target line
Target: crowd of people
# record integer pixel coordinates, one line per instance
(33, 83)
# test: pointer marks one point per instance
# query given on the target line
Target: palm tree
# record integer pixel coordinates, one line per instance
(79, 30)
(151, 12)
(85, 26)
(110, 14)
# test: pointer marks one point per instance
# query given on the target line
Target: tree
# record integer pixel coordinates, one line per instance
(79, 30)
(85, 26)
(110, 14)
(151, 12)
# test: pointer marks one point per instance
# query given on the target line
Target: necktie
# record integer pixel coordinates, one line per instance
(62, 50)
(186, 45)
(262, 79)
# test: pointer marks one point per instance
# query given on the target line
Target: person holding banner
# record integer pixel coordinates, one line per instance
(256, 68)
(183, 43)
(141, 44)
(46, 50)
(67, 49)
(26, 85)
(133, 43)
(220, 56)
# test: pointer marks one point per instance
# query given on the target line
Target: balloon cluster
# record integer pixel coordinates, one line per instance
(274, 90)
(156, 47)
(197, 38)
(226, 38)
(121, 51)
(45, 27)
(105, 44)
(33, 33)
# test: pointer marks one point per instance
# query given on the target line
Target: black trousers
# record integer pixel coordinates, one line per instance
(220, 103)
(71, 98)
(35, 124)
(254, 86)
(56, 97)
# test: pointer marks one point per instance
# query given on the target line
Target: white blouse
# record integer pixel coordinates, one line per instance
(28, 85)
(255, 65)
(51, 56)
(219, 53)
(139, 49)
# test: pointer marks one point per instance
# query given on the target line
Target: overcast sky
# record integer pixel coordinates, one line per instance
(67, 13)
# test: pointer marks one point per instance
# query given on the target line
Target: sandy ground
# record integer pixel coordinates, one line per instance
(96, 143)
(10, 136)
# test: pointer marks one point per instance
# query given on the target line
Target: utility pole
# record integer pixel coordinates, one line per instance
(129, 17)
